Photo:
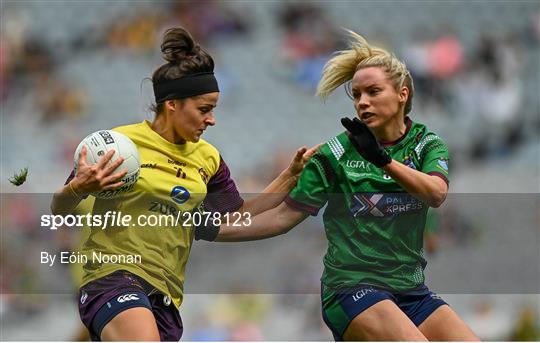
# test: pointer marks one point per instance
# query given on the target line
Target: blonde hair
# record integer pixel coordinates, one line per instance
(341, 68)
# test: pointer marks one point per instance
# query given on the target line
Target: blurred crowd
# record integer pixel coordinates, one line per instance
(478, 83)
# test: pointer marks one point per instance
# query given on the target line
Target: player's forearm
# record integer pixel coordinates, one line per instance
(272, 195)
(262, 226)
(64, 201)
(427, 188)
(271, 223)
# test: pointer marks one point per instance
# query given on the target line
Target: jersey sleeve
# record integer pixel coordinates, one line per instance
(312, 190)
(435, 158)
(432, 221)
(222, 196)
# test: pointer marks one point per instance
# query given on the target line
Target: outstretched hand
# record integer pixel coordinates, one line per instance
(97, 177)
(300, 159)
(365, 142)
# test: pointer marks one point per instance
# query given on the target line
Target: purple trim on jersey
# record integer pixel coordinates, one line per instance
(68, 180)
(408, 123)
(223, 196)
(441, 175)
(312, 210)
(70, 177)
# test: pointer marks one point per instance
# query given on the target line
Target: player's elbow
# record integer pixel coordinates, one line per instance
(59, 207)
(437, 193)
(55, 208)
(287, 218)
(436, 199)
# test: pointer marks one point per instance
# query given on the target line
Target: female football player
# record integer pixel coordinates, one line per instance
(133, 300)
(378, 179)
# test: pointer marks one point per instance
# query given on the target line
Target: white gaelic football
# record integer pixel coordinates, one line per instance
(98, 144)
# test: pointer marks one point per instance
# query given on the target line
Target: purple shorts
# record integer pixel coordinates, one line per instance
(102, 299)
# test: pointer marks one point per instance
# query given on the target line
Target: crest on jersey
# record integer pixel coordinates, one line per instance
(180, 195)
(443, 164)
(204, 175)
(409, 162)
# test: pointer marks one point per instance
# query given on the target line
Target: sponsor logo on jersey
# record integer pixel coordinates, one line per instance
(127, 297)
(124, 189)
(383, 204)
(180, 195)
(106, 137)
(176, 163)
(149, 165)
(84, 296)
(166, 300)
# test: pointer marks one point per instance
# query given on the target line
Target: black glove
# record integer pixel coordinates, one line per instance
(365, 142)
(207, 232)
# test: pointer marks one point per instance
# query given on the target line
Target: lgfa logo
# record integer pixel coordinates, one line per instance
(363, 292)
(180, 195)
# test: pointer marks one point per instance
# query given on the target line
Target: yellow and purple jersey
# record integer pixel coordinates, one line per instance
(174, 180)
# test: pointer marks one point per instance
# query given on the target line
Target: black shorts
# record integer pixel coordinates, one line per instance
(340, 308)
(102, 299)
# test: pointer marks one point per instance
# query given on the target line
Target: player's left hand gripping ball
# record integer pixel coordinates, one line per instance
(365, 142)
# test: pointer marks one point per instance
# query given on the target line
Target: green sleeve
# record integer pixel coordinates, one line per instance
(311, 191)
(432, 221)
(435, 158)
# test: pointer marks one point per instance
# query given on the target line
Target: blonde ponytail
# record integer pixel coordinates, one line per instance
(341, 68)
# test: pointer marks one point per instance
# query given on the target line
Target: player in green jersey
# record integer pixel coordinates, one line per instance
(377, 180)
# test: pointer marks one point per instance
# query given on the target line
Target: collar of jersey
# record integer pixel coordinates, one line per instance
(408, 124)
(181, 148)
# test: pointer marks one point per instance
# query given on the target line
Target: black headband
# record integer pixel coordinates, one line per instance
(185, 87)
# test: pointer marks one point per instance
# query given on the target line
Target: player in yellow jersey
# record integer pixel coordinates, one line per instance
(134, 299)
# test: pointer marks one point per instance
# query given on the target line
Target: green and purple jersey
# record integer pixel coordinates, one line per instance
(373, 226)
